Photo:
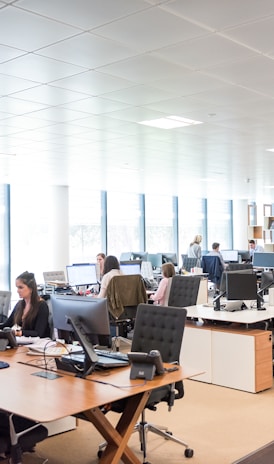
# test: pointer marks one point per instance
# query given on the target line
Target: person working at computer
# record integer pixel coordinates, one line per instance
(100, 258)
(195, 250)
(254, 248)
(30, 316)
(111, 269)
(160, 296)
(216, 252)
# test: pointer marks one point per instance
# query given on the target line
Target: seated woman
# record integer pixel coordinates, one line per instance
(111, 269)
(30, 316)
(160, 296)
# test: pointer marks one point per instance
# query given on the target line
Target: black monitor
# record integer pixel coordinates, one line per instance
(82, 274)
(230, 256)
(155, 259)
(170, 258)
(265, 260)
(142, 255)
(267, 281)
(93, 313)
(244, 255)
(222, 288)
(241, 286)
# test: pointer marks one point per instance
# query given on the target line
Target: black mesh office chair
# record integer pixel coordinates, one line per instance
(212, 265)
(159, 328)
(184, 290)
(188, 263)
(124, 293)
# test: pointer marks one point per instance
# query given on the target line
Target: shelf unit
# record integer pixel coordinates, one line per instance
(254, 232)
(268, 233)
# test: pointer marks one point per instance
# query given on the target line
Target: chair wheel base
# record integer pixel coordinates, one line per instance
(189, 452)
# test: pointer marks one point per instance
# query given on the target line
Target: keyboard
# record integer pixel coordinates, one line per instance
(112, 354)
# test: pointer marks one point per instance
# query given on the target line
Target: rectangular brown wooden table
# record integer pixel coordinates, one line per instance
(44, 400)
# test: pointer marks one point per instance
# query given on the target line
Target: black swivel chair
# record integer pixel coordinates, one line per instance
(189, 263)
(184, 290)
(159, 328)
(212, 265)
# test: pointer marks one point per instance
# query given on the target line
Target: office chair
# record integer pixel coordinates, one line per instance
(159, 328)
(188, 263)
(184, 290)
(5, 297)
(19, 435)
(124, 293)
(212, 265)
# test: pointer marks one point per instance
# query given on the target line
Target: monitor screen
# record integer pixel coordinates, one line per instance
(155, 259)
(170, 258)
(230, 256)
(93, 313)
(81, 274)
(267, 280)
(130, 267)
(238, 271)
(265, 260)
(241, 286)
(244, 255)
(142, 255)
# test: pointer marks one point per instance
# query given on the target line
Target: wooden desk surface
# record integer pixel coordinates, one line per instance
(45, 400)
(247, 316)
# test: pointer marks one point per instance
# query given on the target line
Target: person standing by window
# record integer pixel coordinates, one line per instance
(195, 250)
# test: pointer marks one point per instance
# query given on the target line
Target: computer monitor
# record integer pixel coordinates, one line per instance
(170, 258)
(155, 259)
(222, 288)
(267, 280)
(93, 313)
(241, 286)
(243, 255)
(230, 256)
(265, 260)
(130, 267)
(142, 255)
(81, 274)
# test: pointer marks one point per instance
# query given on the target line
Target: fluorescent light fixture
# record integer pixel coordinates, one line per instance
(270, 149)
(170, 122)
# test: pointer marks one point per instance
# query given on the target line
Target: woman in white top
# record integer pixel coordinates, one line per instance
(195, 250)
(111, 269)
(160, 296)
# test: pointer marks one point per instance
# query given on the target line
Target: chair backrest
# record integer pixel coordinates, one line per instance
(212, 265)
(188, 263)
(167, 292)
(239, 266)
(184, 290)
(159, 328)
(125, 291)
(5, 298)
(52, 276)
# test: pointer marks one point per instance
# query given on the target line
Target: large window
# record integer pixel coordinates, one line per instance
(219, 223)
(160, 220)
(4, 233)
(192, 221)
(84, 225)
(124, 223)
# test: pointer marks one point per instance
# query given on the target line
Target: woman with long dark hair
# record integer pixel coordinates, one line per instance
(30, 316)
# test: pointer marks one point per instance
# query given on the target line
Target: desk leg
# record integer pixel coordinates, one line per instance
(117, 439)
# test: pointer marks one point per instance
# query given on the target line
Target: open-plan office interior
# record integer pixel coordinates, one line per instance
(135, 125)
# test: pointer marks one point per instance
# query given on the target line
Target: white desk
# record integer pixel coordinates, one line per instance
(233, 356)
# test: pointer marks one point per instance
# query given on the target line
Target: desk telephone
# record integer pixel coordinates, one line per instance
(150, 284)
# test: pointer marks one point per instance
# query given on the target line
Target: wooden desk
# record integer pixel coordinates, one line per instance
(237, 355)
(45, 400)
